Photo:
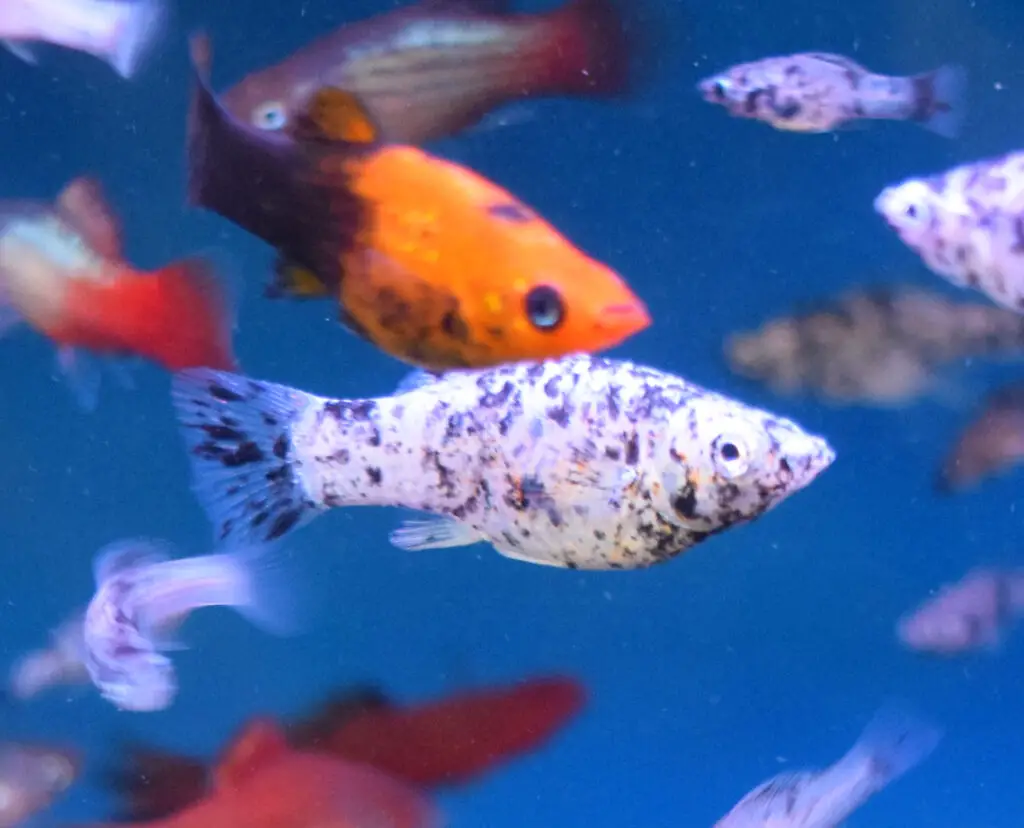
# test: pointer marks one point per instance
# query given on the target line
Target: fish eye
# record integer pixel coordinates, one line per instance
(731, 455)
(270, 116)
(545, 308)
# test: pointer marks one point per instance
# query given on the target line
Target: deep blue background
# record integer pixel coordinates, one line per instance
(772, 643)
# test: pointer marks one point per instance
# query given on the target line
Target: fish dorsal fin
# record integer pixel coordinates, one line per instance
(337, 116)
(337, 711)
(260, 742)
(83, 205)
(122, 556)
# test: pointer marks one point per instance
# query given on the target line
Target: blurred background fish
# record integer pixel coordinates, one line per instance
(991, 444)
(32, 776)
(121, 32)
(62, 663)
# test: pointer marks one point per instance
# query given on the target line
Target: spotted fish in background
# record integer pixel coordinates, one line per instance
(580, 462)
(817, 92)
(992, 443)
(892, 744)
(879, 346)
(966, 224)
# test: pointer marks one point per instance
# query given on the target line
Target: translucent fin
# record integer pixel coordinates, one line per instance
(137, 32)
(82, 373)
(416, 379)
(125, 555)
(435, 533)
(271, 598)
(894, 742)
(946, 100)
(238, 434)
(22, 51)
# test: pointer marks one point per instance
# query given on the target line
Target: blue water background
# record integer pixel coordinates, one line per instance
(768, 647)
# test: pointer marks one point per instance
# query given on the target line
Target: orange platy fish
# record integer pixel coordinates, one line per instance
(431, 69)
(62, 271)
(262, 782)
(429, 261)
(453, 740)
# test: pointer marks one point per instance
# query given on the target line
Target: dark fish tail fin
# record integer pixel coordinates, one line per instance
(942, 100)
(151, 784)
(317, 728)
(238, 435)
(291, 194)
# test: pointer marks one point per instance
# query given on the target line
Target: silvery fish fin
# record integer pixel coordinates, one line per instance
(82, 373)
(434, 533)
(121, 556)
(21, 50)
(141, 24)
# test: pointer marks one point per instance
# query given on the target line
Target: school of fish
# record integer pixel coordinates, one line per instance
(512, 429)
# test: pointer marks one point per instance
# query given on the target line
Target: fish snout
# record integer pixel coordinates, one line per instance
(621, 320)
(715, 89)
(803, 457)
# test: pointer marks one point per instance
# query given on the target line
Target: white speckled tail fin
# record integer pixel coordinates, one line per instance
(944, 97)
(238, 435)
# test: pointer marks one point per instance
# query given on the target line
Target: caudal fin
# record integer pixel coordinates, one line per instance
(942, 96)
(238, 435)
(894, 742)
(140, 26)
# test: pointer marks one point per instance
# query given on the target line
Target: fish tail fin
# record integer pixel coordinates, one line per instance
(141, 25)
(942, 100)
(149, 783)
(265, 590)
(82, 373)
(894, 741)
(238, 434)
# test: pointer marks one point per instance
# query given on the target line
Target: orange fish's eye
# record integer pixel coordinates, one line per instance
(545, 308)
(270, 116)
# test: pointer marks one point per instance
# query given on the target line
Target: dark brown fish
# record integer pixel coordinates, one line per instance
(991, 444)
(431, 69)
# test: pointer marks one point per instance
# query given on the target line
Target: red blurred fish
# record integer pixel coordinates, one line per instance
(449, 741)
(62, 272)
(431, 69)
(262, 782)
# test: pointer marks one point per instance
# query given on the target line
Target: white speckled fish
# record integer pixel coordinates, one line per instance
(893, 743)
(966, 224)
(580, 462)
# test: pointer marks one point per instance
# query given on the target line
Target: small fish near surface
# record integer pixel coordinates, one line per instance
(62, 271)
(894, 742)
(878, 345)
(32, 776)
(454, 740)
(583, 462)
(430, 262)
(991, 444)
(431, 69)
(121, 32)
(817, 92)
(966, 225)
(262, 782)
(143, 596)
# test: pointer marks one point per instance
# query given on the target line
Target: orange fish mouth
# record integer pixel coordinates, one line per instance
(625, 318)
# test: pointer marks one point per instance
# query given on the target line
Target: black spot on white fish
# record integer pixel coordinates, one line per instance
(632, 450)
(374, 474)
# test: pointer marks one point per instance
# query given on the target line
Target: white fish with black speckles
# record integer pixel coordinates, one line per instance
(579, 462)
(966, 224)
(893, 743)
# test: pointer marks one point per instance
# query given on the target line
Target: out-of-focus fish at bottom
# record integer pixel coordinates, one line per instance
(875, 346)
(262, 782)
(61, 663)
(991, 444)
(893, 743)
(32, 776)
(971, 615)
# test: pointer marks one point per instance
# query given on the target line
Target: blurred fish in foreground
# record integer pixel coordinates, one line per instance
(818, 92)
(878, 346)
(62, 271)
(966, 225)
(143, 596)
(971, 615)
(451, 741)
(60, 664)
(581, 463)
(32, 776)
(431, 69)
(121, 32)
(430, 262)
(262, 782)
(991, 444)
(892, 744)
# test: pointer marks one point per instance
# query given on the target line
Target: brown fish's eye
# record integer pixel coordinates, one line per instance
(270, 116)
(544, 308)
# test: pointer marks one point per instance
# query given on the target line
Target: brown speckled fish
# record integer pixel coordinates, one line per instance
(992, 443)
(881, 346)
(580, 462)
(818, 92)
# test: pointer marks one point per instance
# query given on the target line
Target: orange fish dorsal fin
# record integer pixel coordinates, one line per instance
(259, 743)
(334, 114)
(83, 205)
